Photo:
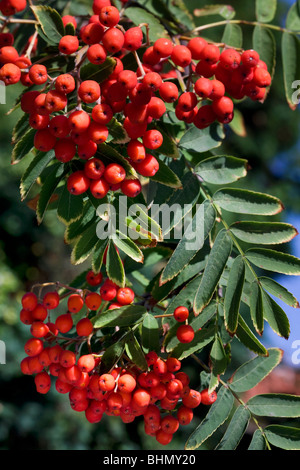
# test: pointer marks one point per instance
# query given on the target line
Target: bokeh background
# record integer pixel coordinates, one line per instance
(30, 253)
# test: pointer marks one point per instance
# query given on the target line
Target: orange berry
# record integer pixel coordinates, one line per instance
(84, 327)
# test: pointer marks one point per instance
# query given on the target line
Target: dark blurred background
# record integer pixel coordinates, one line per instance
(30, 253)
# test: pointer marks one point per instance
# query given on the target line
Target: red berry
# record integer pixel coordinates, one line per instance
(152, 139)
(223, 106)
(98, 133)
(10, 74)
(64, 322)
(96, 54)
(109, 16)
(181, 313)
(147, 167)
(173, 364)
(160, 367)
(168, 92)
(203, 87)
(141, 397)
(68, 44)
(51, 300)
(43, 382)
(65, 149)
(99, 188)
(151, 357)
(185, 333)
(136, 150)
(208, 398)
(163, 47)
(126, 383)
(181, 56)
(114, 173)
(131, 188)
(188, 100)
(65, 83)
(133, 39)
(75, 303)
(250, 58)
(106, 382)
(38, 74)
(89, 91)
(125, 296)
(210, 54)
(29, 301)
(94, 279)
(66, 19)
(78, 183)
(86, 363)
(38, 329)
(261, 77)
(204, 117)
(230, 59)
(92, 33)
(33, 346)
(191, 399)
(196, 46)
(163, 438)
(84, 327)
(93, 301)
(108, 291)
(169, 424)
(113, 40)
(102, 113)
(44, 140)
(79, 121)
(184, 415)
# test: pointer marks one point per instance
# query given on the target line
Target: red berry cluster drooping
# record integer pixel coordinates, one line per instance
(136, 97)
(161, 394)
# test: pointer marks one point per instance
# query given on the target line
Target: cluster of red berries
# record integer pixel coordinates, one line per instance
(220, 78)
(36, 313)
(161, 394)
(138, 98)
(11, 7)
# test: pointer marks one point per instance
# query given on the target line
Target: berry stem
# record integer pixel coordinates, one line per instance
(140, 65)
(147, 33)
(244, 22)
(31, 45)
(163, 316)
(17, 20)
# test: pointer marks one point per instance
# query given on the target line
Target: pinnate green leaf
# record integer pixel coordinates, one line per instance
(275, 405)
(265, 10)
(236, 429)
(284, 437)
(275, 261)
(215, 266)
(127, 315)
(263, 233)
(221, 169)
(50, 22)
(233, 294)
(243, 201)
(252, 372)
